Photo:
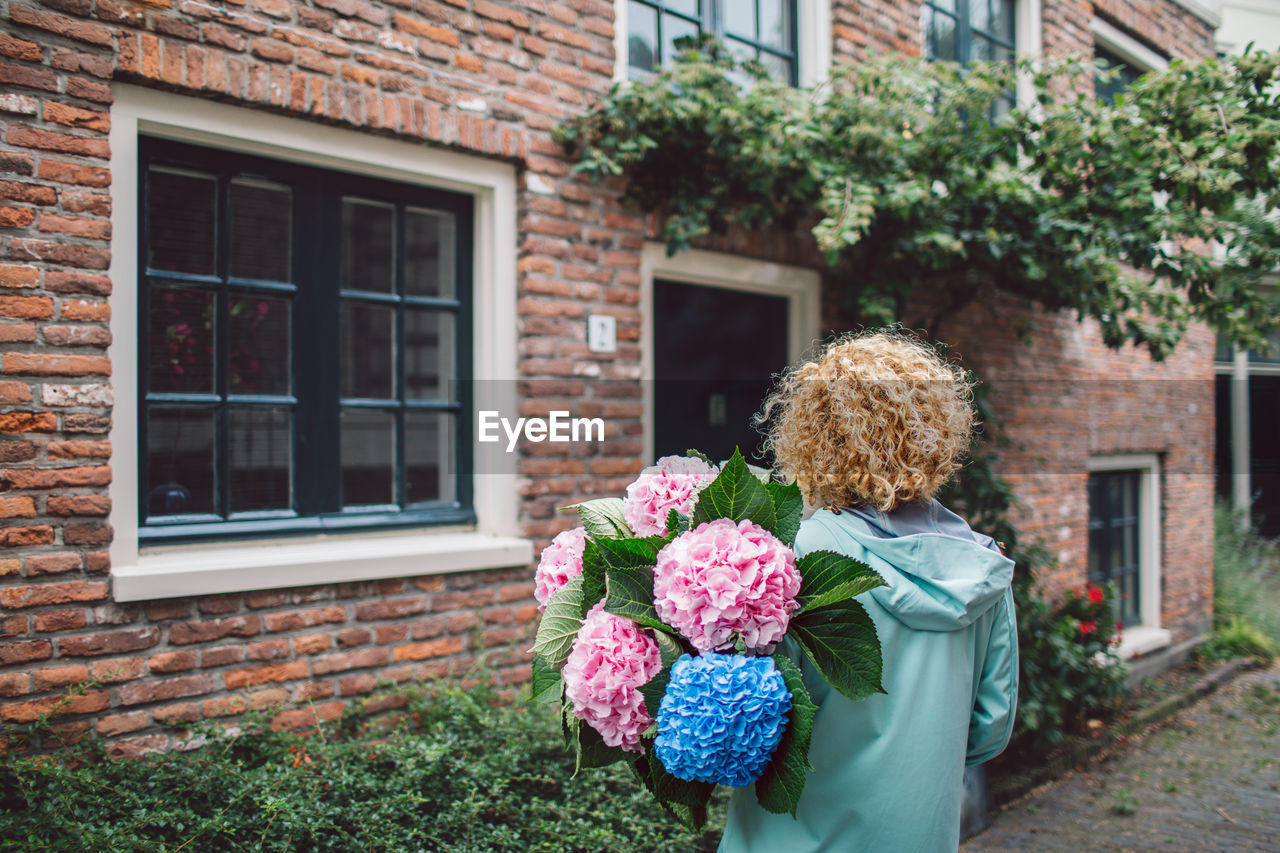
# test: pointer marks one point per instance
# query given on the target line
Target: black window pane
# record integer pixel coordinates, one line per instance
(1125, 75)
(429, 253)
(1002, 25)
(942, 36)
(180, 350)
(261, 225)
(258, 344)
(674, 28)
(181, 212)
(367, 245)
(180, 462)
(429, 457)
(428, 354)
(260, 450)
(740, 17)
(368, 458)
(642, 36)
(979, 15)
(367, 350)
(775, 24)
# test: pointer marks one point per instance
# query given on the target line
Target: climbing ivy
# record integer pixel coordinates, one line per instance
(912, 173)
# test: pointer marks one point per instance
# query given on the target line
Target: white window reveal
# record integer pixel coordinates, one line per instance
(1124, 544)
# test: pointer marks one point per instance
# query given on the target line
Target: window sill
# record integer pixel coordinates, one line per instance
(177, 572)
(1142, 640)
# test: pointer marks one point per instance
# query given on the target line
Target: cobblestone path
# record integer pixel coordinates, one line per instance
(1207, 780)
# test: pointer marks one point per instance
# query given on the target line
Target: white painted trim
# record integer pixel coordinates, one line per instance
(801, 286)
(1241, 449)
(492, 184)
(1028, 42)
(621, 55)
(204, 571)
(1142, 640)
(1150, 522)
(813, 41)
(1127, 47)
(1204, 13)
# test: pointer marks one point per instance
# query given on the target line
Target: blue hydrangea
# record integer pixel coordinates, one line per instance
(721, 718)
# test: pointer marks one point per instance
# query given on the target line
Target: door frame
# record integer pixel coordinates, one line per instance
(800, 286)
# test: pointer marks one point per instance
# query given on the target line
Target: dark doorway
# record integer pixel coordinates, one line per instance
(716, 351)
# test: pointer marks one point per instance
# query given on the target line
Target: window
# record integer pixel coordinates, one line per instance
(755, 29)
(1124, 544)
(1106, 89)
(968, 30)
(1115, 49)
(303, 350)
(1114, 538)
(798, 320)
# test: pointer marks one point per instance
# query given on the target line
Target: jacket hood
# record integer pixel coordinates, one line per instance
(934, 581)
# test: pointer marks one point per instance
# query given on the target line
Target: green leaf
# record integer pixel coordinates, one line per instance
(735, 494)
(840, 640)
(593, 751)
(685, 801)
(560, 623)
(630, 553)
(602, 518)
(778, 789)
(677, 523)
(629, 592)
(546, 683)
(827, 578)
(670, 647)
(698, 454)
(788, 506)
(593, 578)
(655, 688)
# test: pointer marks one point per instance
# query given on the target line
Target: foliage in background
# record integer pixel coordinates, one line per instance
(1066, 675)
(913, 173)
(1070, 670)
(459, 774)
(1246, 592)
(922, 186)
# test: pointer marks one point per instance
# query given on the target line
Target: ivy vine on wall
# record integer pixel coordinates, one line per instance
(1146, 213)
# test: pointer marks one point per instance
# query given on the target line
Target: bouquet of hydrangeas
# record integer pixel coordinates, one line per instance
(662, 619)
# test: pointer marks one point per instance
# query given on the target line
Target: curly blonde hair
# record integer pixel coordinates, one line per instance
(878, 418)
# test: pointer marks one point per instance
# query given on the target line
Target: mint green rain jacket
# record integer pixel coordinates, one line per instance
(888, 770)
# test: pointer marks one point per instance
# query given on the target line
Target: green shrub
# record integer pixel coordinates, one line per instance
(458, 774)
(1238, 638)
(1246, 592)
(1070, 669)
(1067, 675)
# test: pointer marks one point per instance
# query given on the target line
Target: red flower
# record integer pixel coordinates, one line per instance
(1096, 595)
(1087, 628)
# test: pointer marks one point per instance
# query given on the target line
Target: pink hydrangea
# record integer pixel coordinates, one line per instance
(727, 577)
(610, 660)
(560, 561)
(670, 484)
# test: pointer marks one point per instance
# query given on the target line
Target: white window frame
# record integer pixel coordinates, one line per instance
(813, 41)
(166, 571)
(802, 287)
(1149, 636)
(1113, 39)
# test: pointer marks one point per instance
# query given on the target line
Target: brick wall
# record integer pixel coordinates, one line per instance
(487, 78)
(1061, 396)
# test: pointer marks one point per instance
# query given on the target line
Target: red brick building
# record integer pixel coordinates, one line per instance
(263, 261)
